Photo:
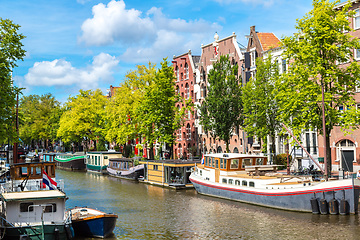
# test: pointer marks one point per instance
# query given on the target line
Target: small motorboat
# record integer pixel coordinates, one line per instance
(88, 222)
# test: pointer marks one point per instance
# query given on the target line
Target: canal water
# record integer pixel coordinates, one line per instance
(151, 212)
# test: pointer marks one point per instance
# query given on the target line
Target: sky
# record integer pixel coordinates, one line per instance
(92, 44)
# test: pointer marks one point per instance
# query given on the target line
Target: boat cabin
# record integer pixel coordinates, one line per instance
(121, 163)
(98, 161)
(233, 161)
(169, 173)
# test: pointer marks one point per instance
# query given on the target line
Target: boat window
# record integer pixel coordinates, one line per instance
(231, 181)
(237, 182)
(259, 161)
(212, 162)
(23, 171)
(50, 208)
(246, 162)
(95, 160)
(216, 163)
(37, 171)
(26, 207)
(234, 164)
(105, 157)
(155, 167)
(224, 180)
(221, 163)
(200, 172)
(251, 184)
(244, 183)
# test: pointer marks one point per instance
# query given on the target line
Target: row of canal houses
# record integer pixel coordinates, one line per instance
(191, 73)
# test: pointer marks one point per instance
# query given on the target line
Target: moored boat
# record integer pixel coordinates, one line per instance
(88, 222)
(72, 162)
(247, 178)
(33, 204)
(124, 168)
(97, 162)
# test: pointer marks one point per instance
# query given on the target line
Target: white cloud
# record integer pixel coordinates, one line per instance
(145, 36)
(61, 73)
(115, 23)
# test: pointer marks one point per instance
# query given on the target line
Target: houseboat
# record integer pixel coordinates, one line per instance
(72, 162)
(248, 178)
(125, 168)
(33, 204)
(173, 173)
(98, 161)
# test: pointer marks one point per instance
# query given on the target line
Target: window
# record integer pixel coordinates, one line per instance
(231, 181)
(26, 207)
(259, 161)
(234, 164)
(216, 163)
(155, 167)
(212, 162)
(244, 183)
(50, 208)
(357, 19)
(186, 71)
(246, 162)
(105, 157)
(200, 172)
(357, 54)
(237, 182)
(187, 91)
(221, 163)
(284, 65)
(251, 184)
(253, 58)
(177, 73)
(224, 180)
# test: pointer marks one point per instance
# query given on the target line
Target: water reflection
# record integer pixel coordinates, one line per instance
(151, 212)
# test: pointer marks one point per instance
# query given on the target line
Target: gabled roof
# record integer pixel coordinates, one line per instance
(268, 41)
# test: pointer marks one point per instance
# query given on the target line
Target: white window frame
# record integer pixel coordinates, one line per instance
(356, 18)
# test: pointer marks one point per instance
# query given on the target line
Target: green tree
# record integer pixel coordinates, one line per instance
(260, 109)
(11, 50)
(39, 118)
(324, 40)
(158, 116)
(222, 108)
(83, 119)
(121, 110)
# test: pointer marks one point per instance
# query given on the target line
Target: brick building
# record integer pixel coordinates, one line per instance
(185, 68)
(210, 54)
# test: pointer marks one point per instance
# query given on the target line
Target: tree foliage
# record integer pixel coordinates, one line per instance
(83, 118)
(11, 50)
(260, 109)
(323, 41)
(39, 118)
(121, 110)
(222, 108)
(157, 115)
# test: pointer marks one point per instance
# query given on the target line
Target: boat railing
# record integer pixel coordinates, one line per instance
(4, 221)
(31, 185)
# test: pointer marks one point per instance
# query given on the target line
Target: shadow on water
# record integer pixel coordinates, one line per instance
(151, 212)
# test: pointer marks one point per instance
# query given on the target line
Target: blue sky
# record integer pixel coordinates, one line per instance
(90, 44)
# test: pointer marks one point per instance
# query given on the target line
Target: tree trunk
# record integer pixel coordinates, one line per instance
(328, 155)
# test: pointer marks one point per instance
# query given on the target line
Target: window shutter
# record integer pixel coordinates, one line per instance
(247, 59)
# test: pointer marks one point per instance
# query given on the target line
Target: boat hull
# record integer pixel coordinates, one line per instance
(51, 232)
(126, 174)
(96, 168)
(99, 226)
(72, 165)
(286, 199)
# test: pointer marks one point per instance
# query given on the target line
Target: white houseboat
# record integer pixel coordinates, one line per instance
(248, 178)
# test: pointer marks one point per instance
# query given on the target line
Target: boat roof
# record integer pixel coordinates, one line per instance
(104, 152)
(232, 155)
(121, 160)
(33, 195)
